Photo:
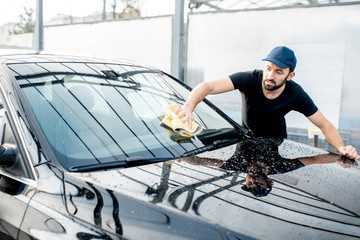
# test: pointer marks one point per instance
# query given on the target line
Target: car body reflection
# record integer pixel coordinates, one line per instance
(215, 195)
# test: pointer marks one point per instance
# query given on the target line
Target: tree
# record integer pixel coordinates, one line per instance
(104, 10)
(113, 7)
(27, 24)
(131, 8)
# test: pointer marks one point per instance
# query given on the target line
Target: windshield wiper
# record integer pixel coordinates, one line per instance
(128, 162)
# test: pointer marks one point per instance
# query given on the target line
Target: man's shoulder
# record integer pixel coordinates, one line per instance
(257, 73)
(254, 74)
(246, 80)
(294, 86)
(297, 92)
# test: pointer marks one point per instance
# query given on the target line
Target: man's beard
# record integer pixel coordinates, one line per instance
(274, 87)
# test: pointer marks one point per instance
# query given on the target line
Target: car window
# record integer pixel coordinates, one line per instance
(101, 113)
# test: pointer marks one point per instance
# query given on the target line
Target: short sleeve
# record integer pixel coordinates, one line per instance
(306, 105)
(243, 80)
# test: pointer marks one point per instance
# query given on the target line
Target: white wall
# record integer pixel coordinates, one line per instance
(24, 40)
(325, 40)
(146, 40)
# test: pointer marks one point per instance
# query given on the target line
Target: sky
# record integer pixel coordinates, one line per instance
(11, 9)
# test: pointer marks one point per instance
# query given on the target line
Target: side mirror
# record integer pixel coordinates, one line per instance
(8, 154)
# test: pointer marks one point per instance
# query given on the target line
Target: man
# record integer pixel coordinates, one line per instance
(267, 96)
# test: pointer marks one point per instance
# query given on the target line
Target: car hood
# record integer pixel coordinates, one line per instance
(200, 202)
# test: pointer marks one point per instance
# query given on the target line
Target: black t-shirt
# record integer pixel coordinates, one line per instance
(266, 117)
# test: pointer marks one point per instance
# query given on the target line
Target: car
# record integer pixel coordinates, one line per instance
(84, 154)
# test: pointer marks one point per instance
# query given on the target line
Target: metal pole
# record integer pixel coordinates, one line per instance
(177, 55)
(39, 29)
(316, 140)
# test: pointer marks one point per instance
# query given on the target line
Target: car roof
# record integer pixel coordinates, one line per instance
(13, 56)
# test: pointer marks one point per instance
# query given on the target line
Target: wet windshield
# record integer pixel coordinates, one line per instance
(95, 114)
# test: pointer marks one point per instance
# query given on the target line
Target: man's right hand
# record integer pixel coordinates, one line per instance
(185, 114)
(222, 85)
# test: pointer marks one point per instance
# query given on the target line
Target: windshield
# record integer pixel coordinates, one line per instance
(93, 114)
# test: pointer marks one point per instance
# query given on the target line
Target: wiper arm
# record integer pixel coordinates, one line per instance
(128, 162)
(125, 75)
(213, 146)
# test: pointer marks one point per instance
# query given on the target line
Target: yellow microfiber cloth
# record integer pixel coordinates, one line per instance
(173, 121)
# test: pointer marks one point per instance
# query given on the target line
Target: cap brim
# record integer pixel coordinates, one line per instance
(277, 62)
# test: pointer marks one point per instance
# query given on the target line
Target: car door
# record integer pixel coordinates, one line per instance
(17, 175)
(15, 184)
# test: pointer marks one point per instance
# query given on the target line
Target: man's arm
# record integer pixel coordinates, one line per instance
(333, 136)
(196, 160)
(200, 92)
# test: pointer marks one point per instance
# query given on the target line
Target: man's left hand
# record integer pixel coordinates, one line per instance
(350, 152)
(348, 156)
